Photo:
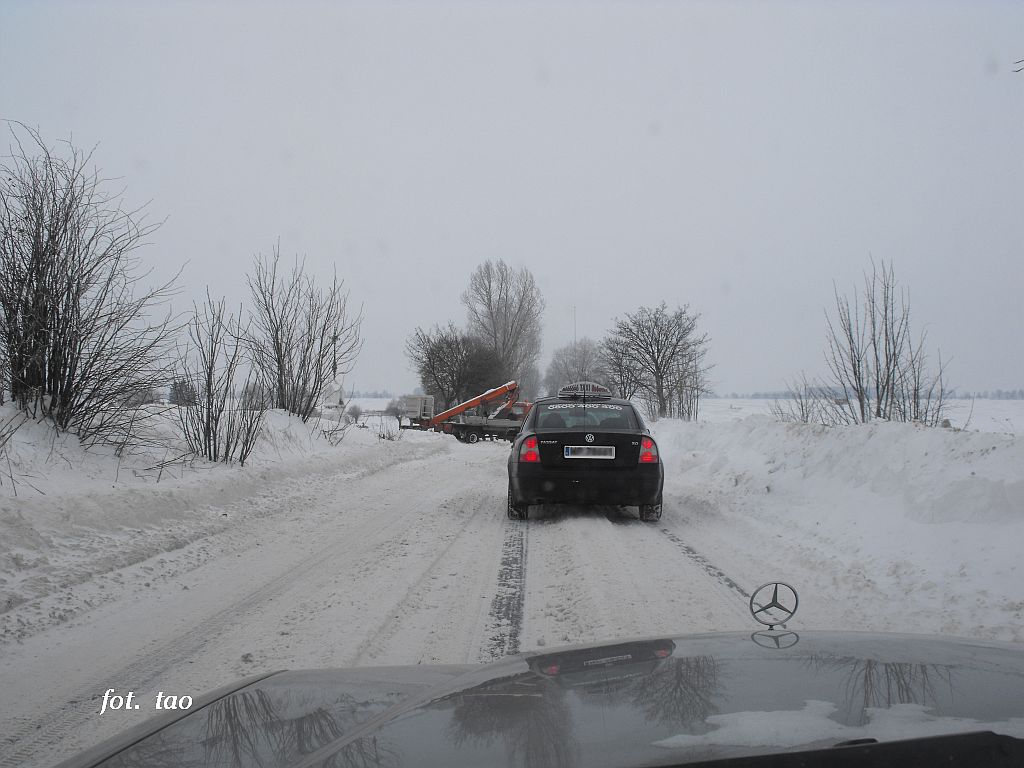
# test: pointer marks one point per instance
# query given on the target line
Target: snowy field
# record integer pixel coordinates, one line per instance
(116, 572)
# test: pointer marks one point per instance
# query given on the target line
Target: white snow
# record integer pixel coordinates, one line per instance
(912, 529)
(1001, 416)
(115, 572)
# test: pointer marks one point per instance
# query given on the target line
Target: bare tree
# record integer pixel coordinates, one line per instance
(877, 370)
(219, 425)
(454, 365)
(923, 395)
(662, 356)
(304, 335)
(74, 301)
(482, 369)
(5, 370)
(577, 361)
(438, 356)
(504, 308)
(687, 381)
(617, 368)
(848, 363)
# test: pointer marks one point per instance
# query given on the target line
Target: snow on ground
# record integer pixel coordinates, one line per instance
(1001, 416)
(884, 526)
(117, 574)
(69, 516)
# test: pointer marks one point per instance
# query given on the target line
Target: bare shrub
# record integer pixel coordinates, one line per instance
(335, 433)
(220, 425)
(386, 430)
(7, 429)
(75, 305)
(878, 370)
(304, 336)
(803, 405)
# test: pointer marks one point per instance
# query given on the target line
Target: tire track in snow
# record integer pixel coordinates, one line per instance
(706, 565)
(595, 578)
(506, 615)
(418, 591)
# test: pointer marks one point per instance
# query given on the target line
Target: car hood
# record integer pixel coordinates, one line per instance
(641, 702)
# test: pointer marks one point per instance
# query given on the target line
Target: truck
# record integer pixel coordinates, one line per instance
(472, 420)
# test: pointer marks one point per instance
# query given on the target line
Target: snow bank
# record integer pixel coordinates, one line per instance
(933, 516)
(68, 515)
(1001, 416)
(930, 475)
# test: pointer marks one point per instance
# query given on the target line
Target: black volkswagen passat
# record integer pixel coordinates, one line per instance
(584, 447)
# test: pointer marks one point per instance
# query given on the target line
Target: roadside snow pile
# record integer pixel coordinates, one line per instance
(69, 515)
(934, 475)
(1002, 416)
(923, 524)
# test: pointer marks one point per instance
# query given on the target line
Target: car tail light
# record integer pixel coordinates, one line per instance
(528, 450)
(648, 451)
(550, 670)
(663, 653)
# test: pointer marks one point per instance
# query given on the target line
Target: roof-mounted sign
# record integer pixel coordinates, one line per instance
(584, 389)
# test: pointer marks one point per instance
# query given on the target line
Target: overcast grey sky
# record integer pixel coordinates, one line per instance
(736, 157)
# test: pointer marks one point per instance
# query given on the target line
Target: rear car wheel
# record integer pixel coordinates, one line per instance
(472, 437)
(516, 511)
(650, 512)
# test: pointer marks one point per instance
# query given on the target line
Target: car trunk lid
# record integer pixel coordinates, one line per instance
(584, 453)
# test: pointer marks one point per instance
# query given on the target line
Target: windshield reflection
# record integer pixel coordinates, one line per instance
(255, 728)
(869, 683)
(531, 717)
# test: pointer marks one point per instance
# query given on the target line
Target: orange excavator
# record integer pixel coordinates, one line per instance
(500, 424)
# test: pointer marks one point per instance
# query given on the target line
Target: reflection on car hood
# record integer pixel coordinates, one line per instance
(632, 703)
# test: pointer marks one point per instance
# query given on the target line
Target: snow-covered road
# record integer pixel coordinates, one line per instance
(415, 563)
(402, 554)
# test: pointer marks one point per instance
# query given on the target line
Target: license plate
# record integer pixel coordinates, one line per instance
(589, 451)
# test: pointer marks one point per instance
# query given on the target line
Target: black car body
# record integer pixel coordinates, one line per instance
(585, 447)
(817, 699)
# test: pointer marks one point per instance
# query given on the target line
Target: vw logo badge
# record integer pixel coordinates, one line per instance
(590, 438)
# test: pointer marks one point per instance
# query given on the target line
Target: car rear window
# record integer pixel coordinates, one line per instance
(585, 416)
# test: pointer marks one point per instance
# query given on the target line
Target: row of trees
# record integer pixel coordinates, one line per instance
(501, 340)
(84, 339)
(653, 354)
